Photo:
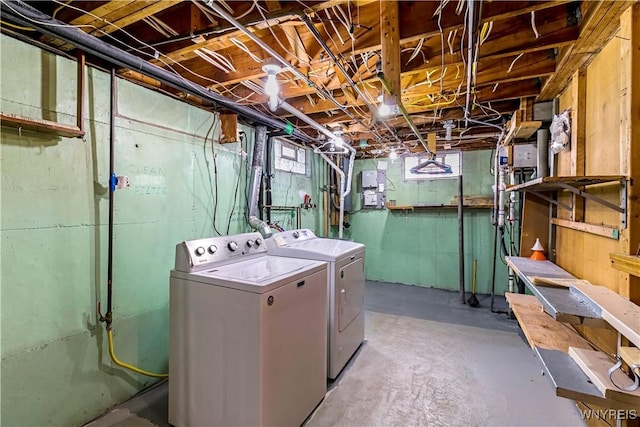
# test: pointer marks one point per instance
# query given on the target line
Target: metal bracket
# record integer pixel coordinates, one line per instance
(550, 200)
(623, 199)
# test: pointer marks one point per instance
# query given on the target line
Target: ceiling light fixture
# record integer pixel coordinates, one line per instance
(338, 141)
(271, 88)
(393, 154)
(385, 110)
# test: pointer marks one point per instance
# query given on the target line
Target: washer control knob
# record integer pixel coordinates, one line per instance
(212, 249)
(199, 251)
(250, 243)
(296, 234)
(233, 246)
(258, 241)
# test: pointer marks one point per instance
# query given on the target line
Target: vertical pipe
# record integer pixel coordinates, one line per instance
(80, 92)
(461, 236)
(542, 167)
(267, 178)
(470, 31)
(112, 189)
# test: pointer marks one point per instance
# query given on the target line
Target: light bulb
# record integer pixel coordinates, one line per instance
(384, 110)
(273, 103)
(338, 141)
(271, 87)
(393, 155)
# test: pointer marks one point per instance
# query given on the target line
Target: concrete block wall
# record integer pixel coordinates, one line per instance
(54, 214)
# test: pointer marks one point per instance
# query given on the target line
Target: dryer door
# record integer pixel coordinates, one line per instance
(350, 290)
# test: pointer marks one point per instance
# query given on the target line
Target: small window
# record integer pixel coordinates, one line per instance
(289, 158)
(417, 168)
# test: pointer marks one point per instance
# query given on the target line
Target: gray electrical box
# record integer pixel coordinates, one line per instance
(369, 179)
(525, 155)
(373, 185)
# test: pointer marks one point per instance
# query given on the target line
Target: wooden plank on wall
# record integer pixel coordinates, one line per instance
(578, 134)
(600, 230)
(535, 224)
(630, 133)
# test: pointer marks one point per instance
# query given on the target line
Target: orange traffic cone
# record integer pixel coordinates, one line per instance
(538, 252)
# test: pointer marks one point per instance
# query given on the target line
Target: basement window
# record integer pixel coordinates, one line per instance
(289, 158)
(431, 171)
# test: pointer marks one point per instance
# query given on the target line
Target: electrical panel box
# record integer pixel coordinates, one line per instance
(369, 179)
(525, 155)
(373, 184)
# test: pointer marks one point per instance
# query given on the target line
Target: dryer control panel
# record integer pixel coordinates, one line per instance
(194, 255)
(285, 238)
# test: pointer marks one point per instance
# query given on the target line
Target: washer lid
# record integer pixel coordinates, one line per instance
(260, 274)
(319, 248)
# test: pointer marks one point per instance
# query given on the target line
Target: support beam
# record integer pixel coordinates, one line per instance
(390, 45)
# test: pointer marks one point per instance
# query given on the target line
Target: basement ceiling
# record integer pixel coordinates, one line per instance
(517, 48)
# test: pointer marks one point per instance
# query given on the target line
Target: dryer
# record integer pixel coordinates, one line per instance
(345, 288)
(247, 334)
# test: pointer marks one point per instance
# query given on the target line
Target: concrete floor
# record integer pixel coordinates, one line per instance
(427, 360)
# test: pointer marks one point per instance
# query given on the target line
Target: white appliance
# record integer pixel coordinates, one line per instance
(248, 335)
(345, 285)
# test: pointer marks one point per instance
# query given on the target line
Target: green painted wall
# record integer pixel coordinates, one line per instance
(55, 365)
(421, 247)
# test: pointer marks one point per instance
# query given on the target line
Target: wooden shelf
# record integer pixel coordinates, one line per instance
(571, 382)
(563, 304)
(575, 185)
(627, 263)
(40, 126)
(558, 183)
(425, 207)
(540, 329)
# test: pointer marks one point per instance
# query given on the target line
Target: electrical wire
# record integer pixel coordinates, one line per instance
(235, 194)
(115, 360)
(214, 185)
(17, 27)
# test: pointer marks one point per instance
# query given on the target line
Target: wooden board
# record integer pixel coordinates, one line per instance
(557, 283)
(570, 382)
(599, 230)
(630, 355)
(627, 263)
(40, 126)
(540, 329)
(596, 364)
(535, 223)
(619, 312)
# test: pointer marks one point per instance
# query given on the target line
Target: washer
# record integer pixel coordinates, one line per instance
(345, 285)
(248, 336)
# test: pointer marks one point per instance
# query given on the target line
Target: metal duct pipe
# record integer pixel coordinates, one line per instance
(20, 13)
(222, 12)
(256, 177)
(542, 167)
(406, 115)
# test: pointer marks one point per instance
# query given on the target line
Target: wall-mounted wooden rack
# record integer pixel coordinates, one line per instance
(541, 187)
